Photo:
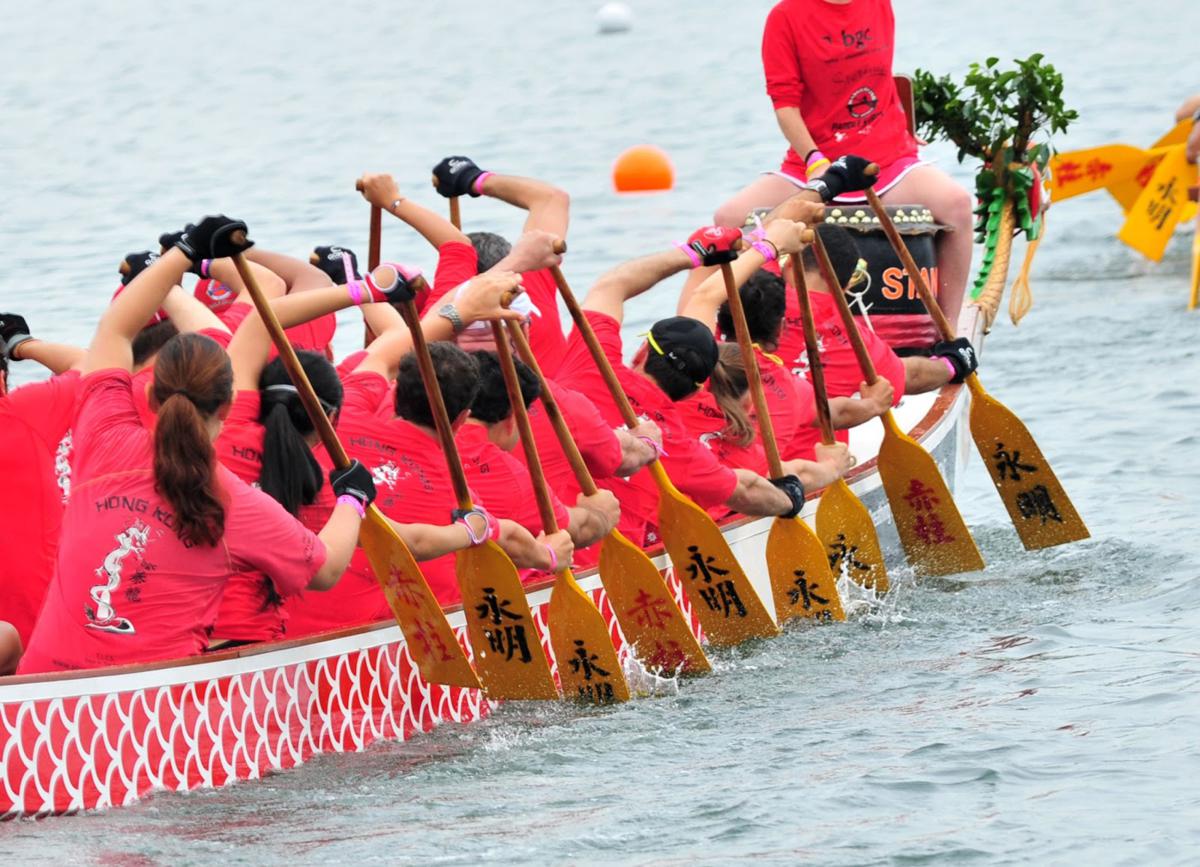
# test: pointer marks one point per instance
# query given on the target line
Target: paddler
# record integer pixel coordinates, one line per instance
(154, 522)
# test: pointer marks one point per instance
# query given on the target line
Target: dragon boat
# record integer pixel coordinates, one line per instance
(107, 737)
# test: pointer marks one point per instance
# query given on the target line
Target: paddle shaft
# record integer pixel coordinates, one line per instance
(295, 371)
(906, 259)
(516, 400)
(374, 242)
(766, 428)
(816, 369)
(441, 419)
(574, 457)
(839, 297)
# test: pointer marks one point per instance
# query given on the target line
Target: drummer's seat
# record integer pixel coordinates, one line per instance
(904, 90)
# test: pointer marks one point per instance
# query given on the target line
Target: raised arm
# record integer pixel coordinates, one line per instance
(549, 207)
(17, 344)
(188, 313)
(382, 192)
(112, 343)
(630, 279)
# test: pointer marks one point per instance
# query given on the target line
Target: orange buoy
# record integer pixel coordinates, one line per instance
(643, 168)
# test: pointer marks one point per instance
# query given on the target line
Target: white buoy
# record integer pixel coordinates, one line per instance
(614, 18)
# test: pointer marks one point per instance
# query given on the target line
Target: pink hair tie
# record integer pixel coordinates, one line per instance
(553, 558)
(691, 254)
(767, 249)
(477, 187)
(659, 451)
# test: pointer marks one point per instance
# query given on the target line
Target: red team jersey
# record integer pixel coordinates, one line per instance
(125, 588)
(692, 467)
(250, 609)
(501, 481)
(34, 420)
(834, 63)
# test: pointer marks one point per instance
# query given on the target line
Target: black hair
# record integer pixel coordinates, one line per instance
(151, 339)
(674, 382)
(764, 298)
(490, 248)
(843, 252)
(491, 405)
(457, 376)
(290, 473)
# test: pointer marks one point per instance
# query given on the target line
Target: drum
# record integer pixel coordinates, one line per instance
(886, 301)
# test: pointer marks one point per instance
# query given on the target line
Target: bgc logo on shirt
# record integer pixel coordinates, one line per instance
(851, 39)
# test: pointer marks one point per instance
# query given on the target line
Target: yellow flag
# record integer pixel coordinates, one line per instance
(1158, 209)
(1077, 172)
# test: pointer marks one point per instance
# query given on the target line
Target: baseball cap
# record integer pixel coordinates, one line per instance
(687, 344)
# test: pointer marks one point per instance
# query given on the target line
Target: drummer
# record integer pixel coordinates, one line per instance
(828, 66)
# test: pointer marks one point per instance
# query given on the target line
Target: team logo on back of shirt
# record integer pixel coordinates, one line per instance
(386, 475)
(103, 616)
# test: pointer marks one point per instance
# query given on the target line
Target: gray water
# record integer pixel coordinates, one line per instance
(1045, 710)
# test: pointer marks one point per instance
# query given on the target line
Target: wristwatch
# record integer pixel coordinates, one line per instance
(449, 311)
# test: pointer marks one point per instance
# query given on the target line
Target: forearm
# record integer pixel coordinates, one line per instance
(755, 495)
(708, 297)
(427, 541)
(224, 271)
(297, 275)
(188, 314)
(112, 344)
(549, 207)
(340, 536)
(586, 526)
(434, 228)
(813, 474)
(795, 130)
(1189, 107)
(55, 357)
(523, 549)
(848, 412)
(632, 278)
(924, 374)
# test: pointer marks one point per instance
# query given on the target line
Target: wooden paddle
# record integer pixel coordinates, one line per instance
(659, 634)
(374, 242)
(430, 641)
(721, 594)
(935, 537)
(588, 666)
(653, 625)
(801, 583)
(1037, 504)
(843, 523)
(508, 654)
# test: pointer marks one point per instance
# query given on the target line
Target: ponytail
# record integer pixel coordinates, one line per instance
(192, 381)
(290, 473)
(729, 385)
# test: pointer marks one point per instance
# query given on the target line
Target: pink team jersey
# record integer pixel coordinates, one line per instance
(34, 420)
(126, 588)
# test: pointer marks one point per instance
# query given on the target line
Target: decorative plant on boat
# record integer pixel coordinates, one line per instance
(1003, 117)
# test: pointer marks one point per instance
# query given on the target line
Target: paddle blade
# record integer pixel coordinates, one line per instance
(1158, 209)
(935, 538)
(431, 641)
(588, 666)
(1039, 507)
(720, 591)
(845, 528)
(660, 635)
(508, 652)
(801, 583)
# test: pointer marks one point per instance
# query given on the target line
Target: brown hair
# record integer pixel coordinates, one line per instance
(192, 379)
(729, 385)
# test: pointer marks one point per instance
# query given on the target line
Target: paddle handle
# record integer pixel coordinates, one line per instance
(839, 297)
(766, 428)
(593, 345)
(574, 457)
(914, 273)
(437, 404)
(533, 462)
(374, 242)
(816, 368)
(295, 371)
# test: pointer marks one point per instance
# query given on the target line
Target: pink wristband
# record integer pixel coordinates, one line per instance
(347, 500)
(205, 265)
(691, 254)
(357, 295)
(477, 187)
(767, 249)
(553, 558)
(815, 156)
(949, 366)
(659, 451)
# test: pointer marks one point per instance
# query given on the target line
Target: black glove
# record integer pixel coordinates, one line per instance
(794, 488)
(846, 174)
(213, 238)
(136, 263)
(961, 355)
(14, 331)
(167, 240)
(456, 176)
(353, 481)
(330, 260)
